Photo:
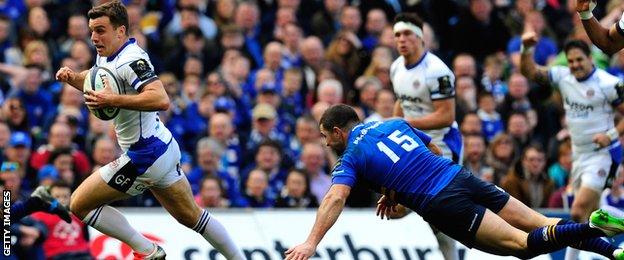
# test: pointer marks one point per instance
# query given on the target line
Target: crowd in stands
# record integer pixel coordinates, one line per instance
(249, 80)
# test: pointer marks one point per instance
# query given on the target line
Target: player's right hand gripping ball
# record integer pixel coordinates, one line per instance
(94, 80)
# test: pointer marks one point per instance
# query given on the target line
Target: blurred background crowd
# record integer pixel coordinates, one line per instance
(249, 81)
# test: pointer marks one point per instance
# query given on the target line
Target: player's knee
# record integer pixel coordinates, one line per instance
(186, 218)
(77, 209)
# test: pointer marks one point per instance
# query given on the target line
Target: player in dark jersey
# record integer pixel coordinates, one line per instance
(394, 159)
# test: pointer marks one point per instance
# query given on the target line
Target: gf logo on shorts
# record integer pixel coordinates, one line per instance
(123, 179)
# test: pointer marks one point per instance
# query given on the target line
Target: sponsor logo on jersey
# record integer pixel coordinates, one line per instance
(142, 69)
(410, 99)
(578, 107)
(445, 85)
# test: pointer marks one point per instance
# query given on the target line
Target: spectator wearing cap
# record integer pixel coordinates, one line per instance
(208, 157)
(239, 113)
(47, 175)
(221, 130)
(19, 151)
(264, 127)
(60, 137)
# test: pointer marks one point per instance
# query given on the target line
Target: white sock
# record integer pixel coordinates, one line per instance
(572, 253)
(447, 246)
(110, 221)
(212, 230)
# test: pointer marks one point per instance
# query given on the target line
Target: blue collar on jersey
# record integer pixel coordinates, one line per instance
(588, 75)
(112, 57)
(409, 67)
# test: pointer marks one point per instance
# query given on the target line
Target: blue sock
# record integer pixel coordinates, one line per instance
(596, 245)
(552, 238)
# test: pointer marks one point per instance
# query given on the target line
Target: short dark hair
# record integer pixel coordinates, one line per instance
(115, 11)
(60, 184)
(193, 30)
(270, 143)
(58, 152)
(577, 44)
(409, 18)
(340, 116)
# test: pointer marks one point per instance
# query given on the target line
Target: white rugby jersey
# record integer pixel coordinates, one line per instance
(417, 86)
(134, 70)
(588, 103)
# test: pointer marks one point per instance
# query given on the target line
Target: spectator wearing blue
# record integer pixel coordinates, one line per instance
(291, 57)
(19, 151)
(617, 65)
(247, 17)
(264, 127)
(47, 175)
(209, 153)
(268, 158)
(257, 191)
(37, 100)
(376, 20)
(545, 49)
(188, 15)
(492, 123)
(197, 116)
(222, 130)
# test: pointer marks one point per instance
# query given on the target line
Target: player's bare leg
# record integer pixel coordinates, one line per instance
(586, 200)
(178, 200)
(88, 203)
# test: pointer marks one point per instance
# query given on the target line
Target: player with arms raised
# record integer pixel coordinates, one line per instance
(425, 92)
(591, 97)
(151, 155)
(609, 40)
(393, 158)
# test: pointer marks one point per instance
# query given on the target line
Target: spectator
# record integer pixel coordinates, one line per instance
(491, 121)
(5, 135)
(18, 151)
(528, 181)
(60, 137)
(384, 106)
(477, 23)
(376, 21)
(268, 159)
(208, 156)
(466, 93)
(350, 19)
(77, 30)
(189, 15)
(313, 55)
(475, 157)
(221, 130)
(14, 113)
(263, 127)
(330, 91)
(223, 13)
(520, 130)
(325, 22)
(344, 52)
(65, 240)
(500, 155)
(545, 49)
(312, 160)
(247, 17)
(492, 80)
(256, 190)
(211, 194)
(104, 152)
(464, 64)
(559, 172)
(471, 125)
(291, 55)
(296, 193)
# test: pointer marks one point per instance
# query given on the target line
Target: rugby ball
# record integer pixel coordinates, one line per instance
(94, 80)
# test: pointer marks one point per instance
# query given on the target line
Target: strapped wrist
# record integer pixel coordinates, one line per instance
(586, 15)
(613, 134)
(524, 49)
